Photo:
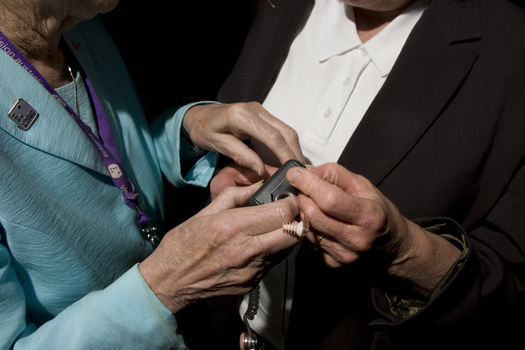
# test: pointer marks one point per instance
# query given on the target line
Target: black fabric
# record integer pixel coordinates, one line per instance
(445, 137)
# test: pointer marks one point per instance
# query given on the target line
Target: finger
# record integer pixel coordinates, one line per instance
(344, 238)
(270, 170)
(326, 259)
(321, 249)
(256, 122)
(232, 175)
(290, 136)
(219, 183)
(332, 199)
(274, 239)
(270, 216)
(230, 198)
(239, 152)
(220, 127)
(264, 223)
(328, 226)
(316, 241)
(314, 237)
(241, 195)
(346, 180)
(330, 251)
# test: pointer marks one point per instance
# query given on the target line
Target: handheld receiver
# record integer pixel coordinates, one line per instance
(275, 185)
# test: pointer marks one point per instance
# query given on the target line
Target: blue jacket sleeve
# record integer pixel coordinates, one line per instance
(125, 315)
(173, 153)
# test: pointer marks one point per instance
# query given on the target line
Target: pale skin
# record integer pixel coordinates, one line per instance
(354, 217)
(222, 250)
(35, 28)
(373, 15)
(221, 128)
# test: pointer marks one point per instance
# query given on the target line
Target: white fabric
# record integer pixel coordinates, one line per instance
(330, 78)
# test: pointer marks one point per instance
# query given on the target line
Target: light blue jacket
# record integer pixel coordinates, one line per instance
(70, 246)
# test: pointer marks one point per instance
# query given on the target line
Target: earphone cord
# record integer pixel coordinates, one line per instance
(253, 303)
(253, 306)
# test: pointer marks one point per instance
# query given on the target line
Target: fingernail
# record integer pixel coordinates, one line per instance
(293, 175)
(259, 183)
(257, 170)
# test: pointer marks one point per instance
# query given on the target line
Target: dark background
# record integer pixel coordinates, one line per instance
(179, 52)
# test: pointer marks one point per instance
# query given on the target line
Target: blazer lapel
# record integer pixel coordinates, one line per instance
(54, 131)
(426, 75)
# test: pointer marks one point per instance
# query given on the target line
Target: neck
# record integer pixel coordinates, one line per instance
(37, 37)
(369, 23)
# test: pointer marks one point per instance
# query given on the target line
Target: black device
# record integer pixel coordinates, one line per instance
(275, 185)
(271, 189)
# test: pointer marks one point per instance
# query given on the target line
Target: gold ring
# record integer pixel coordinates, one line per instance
(319, 240)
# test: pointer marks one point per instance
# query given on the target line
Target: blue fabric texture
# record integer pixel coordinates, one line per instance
(70, 246)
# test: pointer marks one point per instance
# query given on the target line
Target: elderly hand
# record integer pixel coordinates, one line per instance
(222, 250)
(221, 127)
(234, 175)
(349, 218)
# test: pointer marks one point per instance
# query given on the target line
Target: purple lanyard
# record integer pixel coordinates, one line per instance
(107, 148)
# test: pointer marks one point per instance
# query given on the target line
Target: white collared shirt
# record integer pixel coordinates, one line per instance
(330, 78)
(323, 90)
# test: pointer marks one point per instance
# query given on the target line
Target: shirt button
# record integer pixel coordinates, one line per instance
(363, 51)
(327, 113)
(346, 81)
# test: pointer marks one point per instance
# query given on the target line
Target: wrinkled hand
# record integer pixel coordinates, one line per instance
(234, 175)
(221, 127)
(355, 218)
(350, 212)
(222, 250)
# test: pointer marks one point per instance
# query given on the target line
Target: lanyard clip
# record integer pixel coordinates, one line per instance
(149, 233)
(147, 228)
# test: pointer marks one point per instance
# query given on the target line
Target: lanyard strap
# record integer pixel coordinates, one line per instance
(107, 148)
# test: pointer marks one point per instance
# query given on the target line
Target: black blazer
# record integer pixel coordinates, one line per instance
(444, 138)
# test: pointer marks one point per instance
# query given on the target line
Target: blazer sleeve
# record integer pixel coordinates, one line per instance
(485, 297)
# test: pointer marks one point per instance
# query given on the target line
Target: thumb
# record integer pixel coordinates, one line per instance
(231, 197)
